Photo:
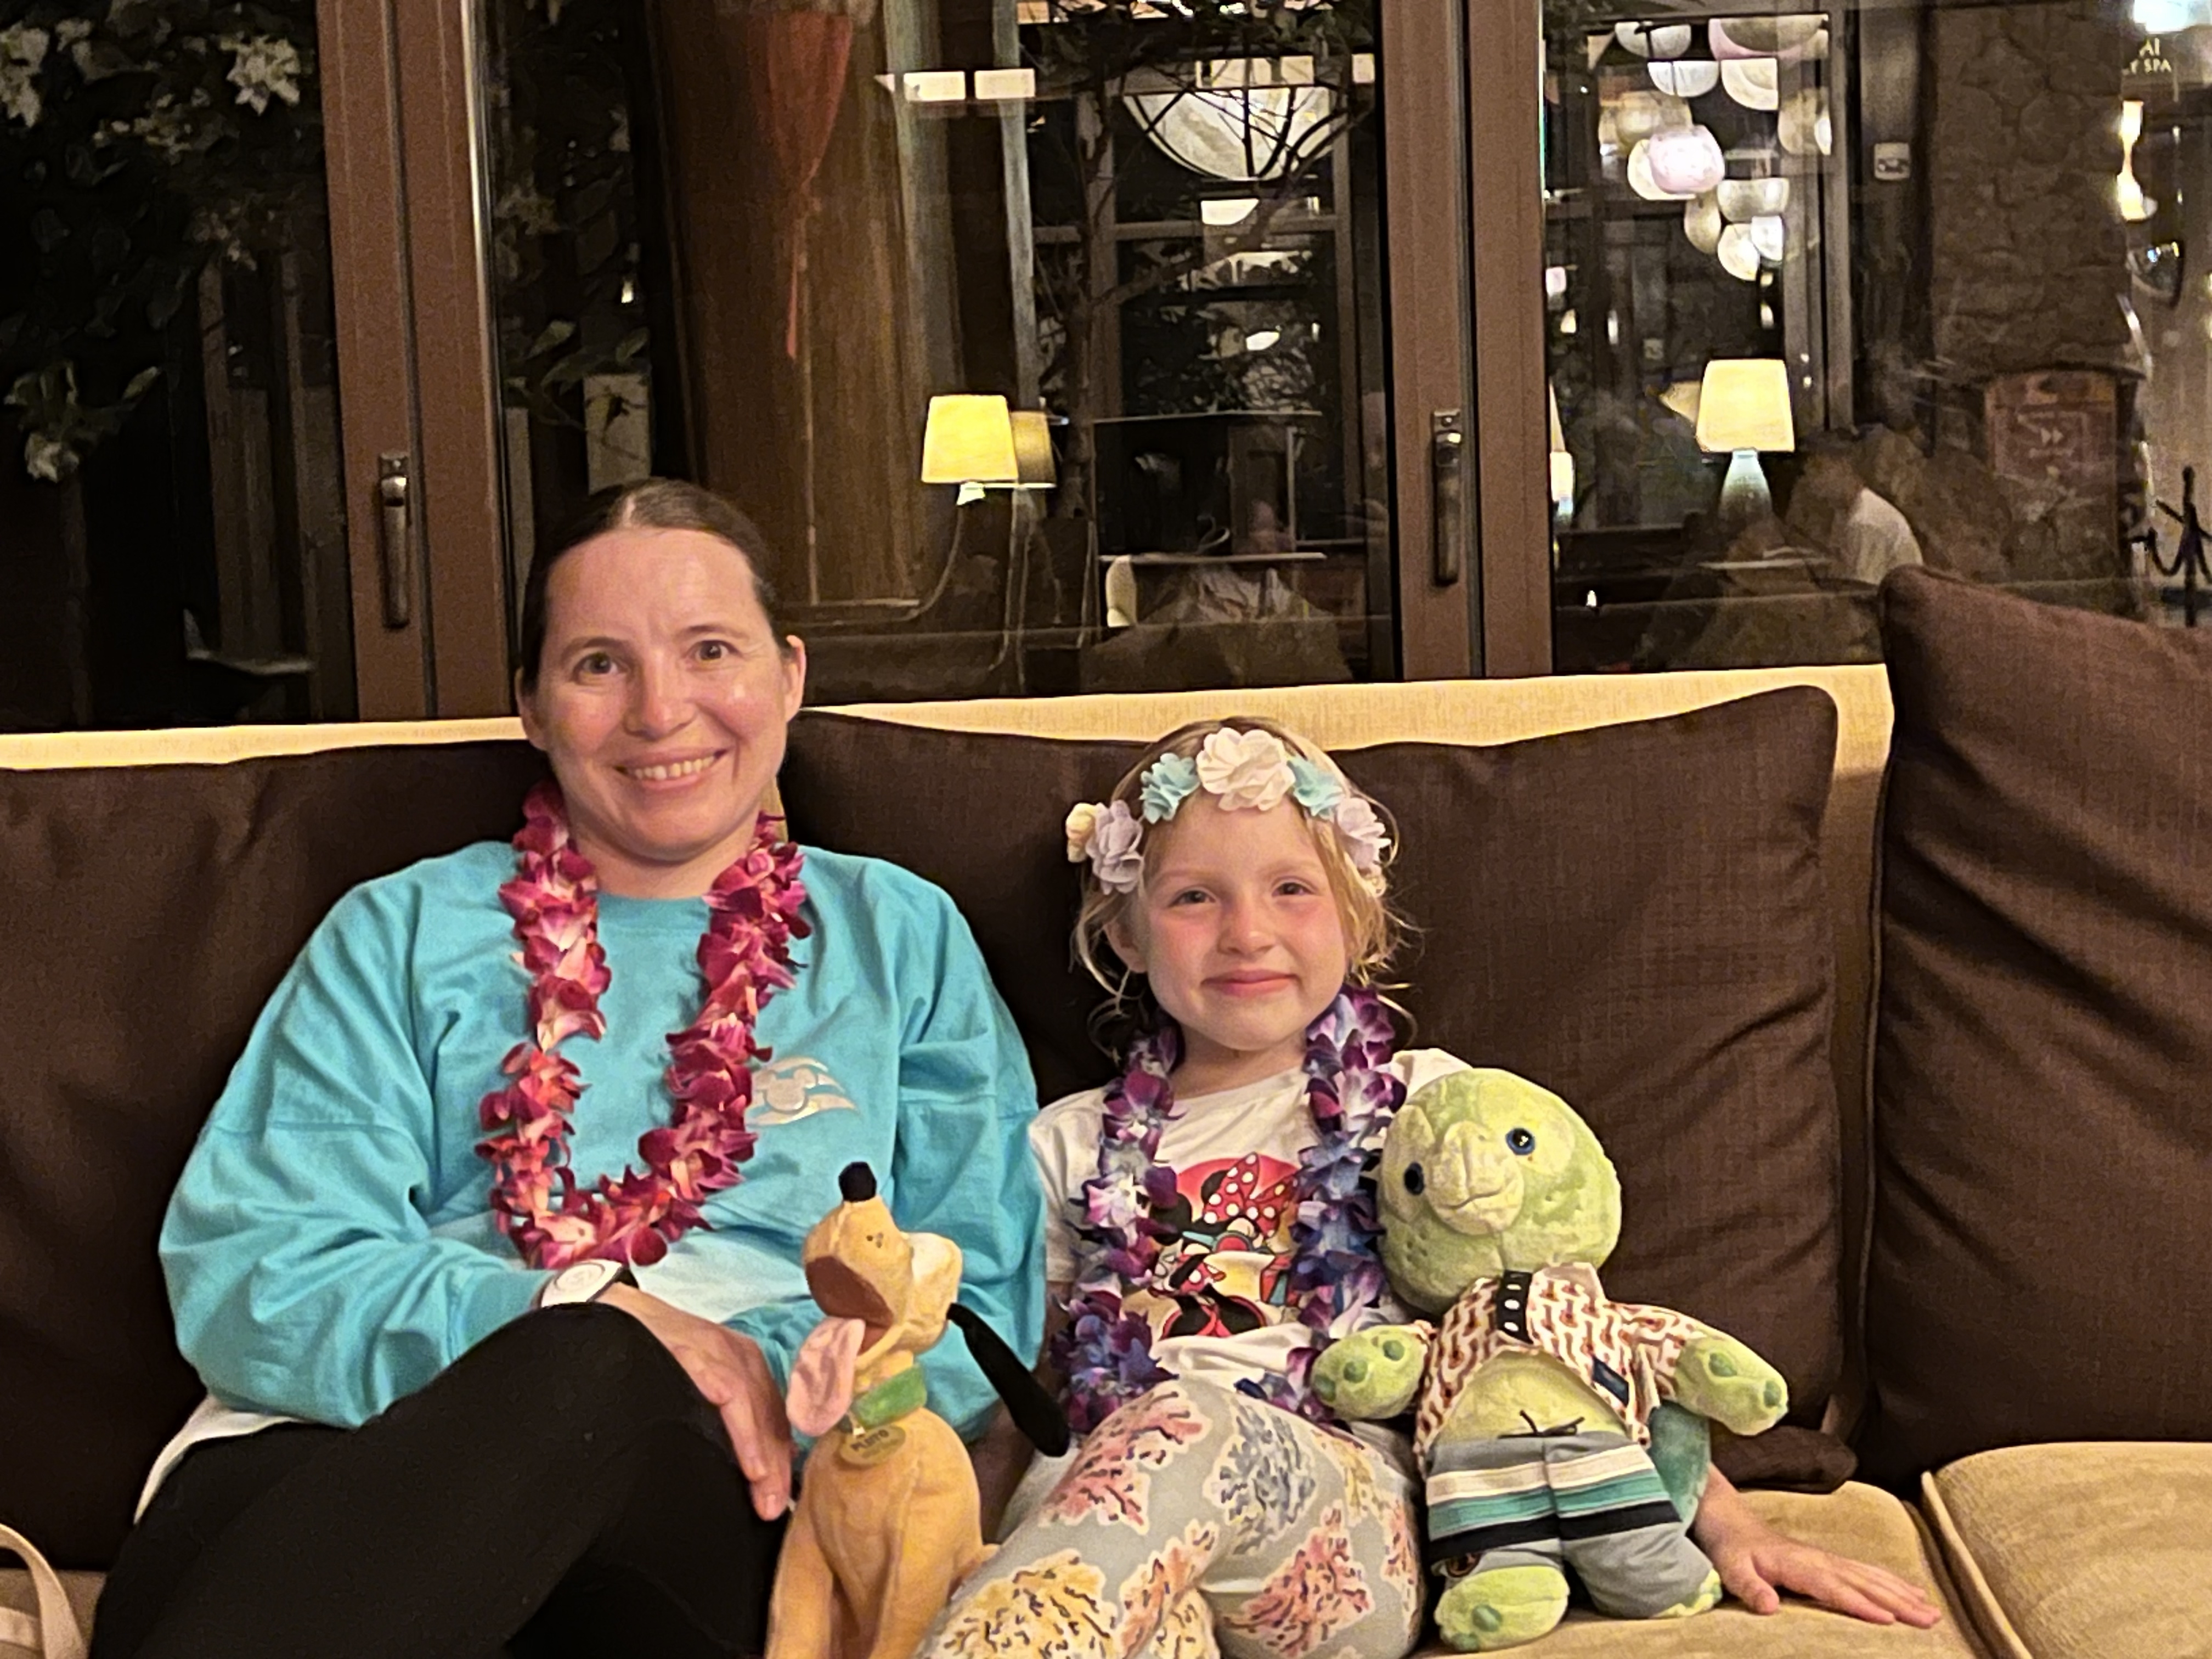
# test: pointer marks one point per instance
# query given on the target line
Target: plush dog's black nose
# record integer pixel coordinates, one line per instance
(856, 1183)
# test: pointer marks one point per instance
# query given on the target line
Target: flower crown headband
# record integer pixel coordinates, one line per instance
(1244, 770)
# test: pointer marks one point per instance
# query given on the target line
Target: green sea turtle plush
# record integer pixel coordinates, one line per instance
(1542, 1403)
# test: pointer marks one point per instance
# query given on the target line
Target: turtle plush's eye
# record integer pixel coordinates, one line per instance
(1520, 1141)
(1415, 1179)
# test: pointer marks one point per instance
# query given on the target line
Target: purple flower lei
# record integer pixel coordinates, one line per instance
(1335, 1277)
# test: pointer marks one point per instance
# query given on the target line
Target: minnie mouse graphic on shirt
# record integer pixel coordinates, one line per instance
(1227, 1270)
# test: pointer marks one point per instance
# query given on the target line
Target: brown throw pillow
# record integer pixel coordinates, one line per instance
(145, 915)
(2043, 1069)
(1633, 916)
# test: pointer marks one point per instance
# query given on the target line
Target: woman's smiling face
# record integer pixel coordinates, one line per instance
(661, 699)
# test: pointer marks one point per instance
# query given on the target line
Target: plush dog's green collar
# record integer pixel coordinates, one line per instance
(891, 1399)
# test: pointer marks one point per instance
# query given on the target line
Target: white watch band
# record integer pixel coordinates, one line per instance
(583, 1281)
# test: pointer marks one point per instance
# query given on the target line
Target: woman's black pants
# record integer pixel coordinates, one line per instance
(562, 1488)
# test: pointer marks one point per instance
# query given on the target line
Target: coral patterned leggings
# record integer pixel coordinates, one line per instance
(1196, 1521)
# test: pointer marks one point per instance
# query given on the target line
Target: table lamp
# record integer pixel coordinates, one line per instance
(1743, 407)
(1033, 462)
(970, 441)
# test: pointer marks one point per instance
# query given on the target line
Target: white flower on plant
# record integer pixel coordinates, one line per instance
(48, 459)
(22, 49)
(263, 66)
(1245, 769)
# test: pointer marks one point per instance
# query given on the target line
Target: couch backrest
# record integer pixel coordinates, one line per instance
(228, 867)
(1336, 716)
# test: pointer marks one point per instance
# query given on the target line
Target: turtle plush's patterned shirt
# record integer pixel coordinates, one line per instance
(1626, 1351)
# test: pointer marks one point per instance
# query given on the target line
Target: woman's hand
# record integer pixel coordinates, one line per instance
(730, 1375)
(1756, 1563)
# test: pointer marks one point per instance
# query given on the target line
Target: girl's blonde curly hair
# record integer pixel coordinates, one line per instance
(1372, 930)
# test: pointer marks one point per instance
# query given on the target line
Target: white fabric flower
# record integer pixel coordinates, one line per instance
(1082, 818)
(1245, 769)
(1362, 832)
(1116, 857)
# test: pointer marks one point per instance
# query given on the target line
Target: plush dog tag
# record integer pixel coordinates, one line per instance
(821, 1390)
(871, 1446)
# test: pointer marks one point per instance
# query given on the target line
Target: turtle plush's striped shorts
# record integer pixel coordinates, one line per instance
(1589, 1501)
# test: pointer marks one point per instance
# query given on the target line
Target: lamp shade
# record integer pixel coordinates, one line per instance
(1033, 450)
(1744, 404)
(969, 439)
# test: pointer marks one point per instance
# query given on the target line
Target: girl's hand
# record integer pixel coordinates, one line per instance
(731, 1375)
(1756, 1563)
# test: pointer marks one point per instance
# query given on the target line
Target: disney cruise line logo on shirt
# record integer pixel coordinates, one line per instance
(786, 1090)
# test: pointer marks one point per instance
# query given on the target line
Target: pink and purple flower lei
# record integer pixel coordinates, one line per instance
(744, 958)
(1336, 1279)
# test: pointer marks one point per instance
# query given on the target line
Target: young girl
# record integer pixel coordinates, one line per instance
(1210, 1224)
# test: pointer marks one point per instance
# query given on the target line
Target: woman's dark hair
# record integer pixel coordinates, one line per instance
(644, 504)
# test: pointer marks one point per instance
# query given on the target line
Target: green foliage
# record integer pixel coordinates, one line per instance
(564, 230)
(138, 141)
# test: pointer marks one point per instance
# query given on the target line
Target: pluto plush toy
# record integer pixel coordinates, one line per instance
(1537, 1394)
(887, 1518)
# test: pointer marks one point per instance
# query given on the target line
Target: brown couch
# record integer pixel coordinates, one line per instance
(1656, 894)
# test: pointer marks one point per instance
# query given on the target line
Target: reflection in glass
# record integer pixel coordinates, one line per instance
(778, 236)
(1963, 238)
(172, 530)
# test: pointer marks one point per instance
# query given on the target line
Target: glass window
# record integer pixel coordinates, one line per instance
(1065, 374)
(1831, 292)
(173, 541)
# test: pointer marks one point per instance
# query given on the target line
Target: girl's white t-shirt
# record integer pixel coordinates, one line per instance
(1220, 1314)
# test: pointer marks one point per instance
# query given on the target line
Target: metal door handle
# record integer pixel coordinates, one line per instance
(1448, 494)
(395, 546)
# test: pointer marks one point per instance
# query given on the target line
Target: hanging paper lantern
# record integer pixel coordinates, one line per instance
(1801, 127)
(1686, 77)
(1654, 40)
(1738, 257)
(1752, 82)
(1763, 37)
(1703, 224)
(1636, 116)
(1640, 178)
(1745, 199)
(1769, 235)
(1684, 160)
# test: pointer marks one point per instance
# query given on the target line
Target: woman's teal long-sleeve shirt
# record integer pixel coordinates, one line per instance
(331, 1247)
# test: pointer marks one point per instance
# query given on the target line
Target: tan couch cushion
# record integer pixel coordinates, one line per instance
(1856, 1520)
(2099, 1550)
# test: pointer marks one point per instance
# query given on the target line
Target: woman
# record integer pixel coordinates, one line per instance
(473, 1389)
